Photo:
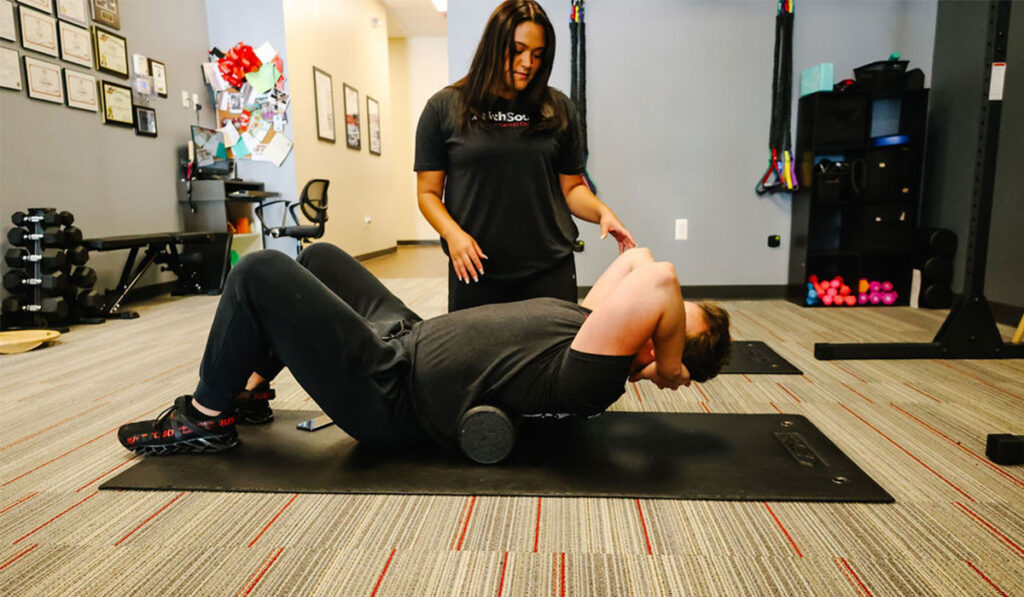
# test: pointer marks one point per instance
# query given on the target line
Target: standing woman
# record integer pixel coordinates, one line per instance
(505, 152)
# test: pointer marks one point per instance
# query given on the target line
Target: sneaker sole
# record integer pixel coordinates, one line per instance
(200, 445)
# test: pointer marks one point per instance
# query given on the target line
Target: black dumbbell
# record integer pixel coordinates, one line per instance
(56, 306)
(78, 255)
(49, 261)
(19, 237)
(90, 301)
(72, 236)
(49, 217)
(53, 283)
(84, 277)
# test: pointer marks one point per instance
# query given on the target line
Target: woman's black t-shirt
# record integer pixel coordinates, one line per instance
(516, 356)
(502, 184)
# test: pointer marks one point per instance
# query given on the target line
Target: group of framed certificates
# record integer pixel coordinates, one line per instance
(60, 28)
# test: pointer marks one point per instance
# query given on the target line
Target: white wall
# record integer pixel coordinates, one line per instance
(419, 68)
(337, 36)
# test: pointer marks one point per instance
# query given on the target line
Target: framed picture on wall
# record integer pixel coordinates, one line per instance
(43, 80)
(352, 138)
(75, 45)
(106, 12)
(73, 11)
(111, 52)
(43, 5)
(373, 124)
(81, 90)
(38, 32)
(323, 98)
(7, 28)
(116, 103)
(159, 72)
(10, 69)
(145, 121)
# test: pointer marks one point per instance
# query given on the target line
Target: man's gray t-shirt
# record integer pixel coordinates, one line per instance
(516, 356)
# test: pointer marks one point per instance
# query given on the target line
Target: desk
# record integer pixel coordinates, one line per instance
(214, 203)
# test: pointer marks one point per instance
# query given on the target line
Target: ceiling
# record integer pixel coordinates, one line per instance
(414, 18)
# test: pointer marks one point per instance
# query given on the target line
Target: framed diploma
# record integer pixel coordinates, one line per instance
(145, 121)
(159, 72)
(106, 12)
(7, 30)
(116, 103)
(43, 80)
(373, 124)
(10, 69)
(73, 11)
(352, 135)
(43, 5)
(140, 64)
(323, 99)
(38, 32)
(81, 90)
(75, 45)
(111, 52)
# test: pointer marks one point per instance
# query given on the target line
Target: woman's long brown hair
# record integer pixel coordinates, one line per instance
(488, 71)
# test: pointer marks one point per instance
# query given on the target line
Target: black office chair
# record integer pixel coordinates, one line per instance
(313, 202)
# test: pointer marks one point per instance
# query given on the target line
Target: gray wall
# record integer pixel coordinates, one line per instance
(679, 99)
(115, 182)
(953, 133)
(255, 22)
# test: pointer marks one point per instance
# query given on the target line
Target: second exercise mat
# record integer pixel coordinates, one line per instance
(629, 455)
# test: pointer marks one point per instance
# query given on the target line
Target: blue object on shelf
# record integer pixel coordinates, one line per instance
(890, 140)
(815, 79)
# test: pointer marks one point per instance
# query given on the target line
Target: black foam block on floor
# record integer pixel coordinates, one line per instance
(757, 358)
(629, 455)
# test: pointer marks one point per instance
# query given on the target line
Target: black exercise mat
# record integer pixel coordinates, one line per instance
(757, 358)
(642, 455)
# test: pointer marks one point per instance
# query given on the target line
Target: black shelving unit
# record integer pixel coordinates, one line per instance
(857, 218)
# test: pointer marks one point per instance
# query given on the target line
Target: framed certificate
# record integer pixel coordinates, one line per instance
(75, 45)
(159, 72)
(323, 101)
(10, 69)
(73, 11)
(352, 135)
(145, 121)
(373, 124)
(116, 103)
(81, 90)
(106, 12)
(38, 32)
(7, 30)
(43, 80)
(111, 52)
(43, 5)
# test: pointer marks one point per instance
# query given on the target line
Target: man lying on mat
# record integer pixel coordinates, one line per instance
(391, 379)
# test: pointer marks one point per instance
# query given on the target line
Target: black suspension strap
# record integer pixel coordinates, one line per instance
(781, 174)
(578, 88)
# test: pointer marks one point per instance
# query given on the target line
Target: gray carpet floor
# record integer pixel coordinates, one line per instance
(917, 427)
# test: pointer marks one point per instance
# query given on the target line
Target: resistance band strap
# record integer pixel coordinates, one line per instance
(780, 175)
(578, 86)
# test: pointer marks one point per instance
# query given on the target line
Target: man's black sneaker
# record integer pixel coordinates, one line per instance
(253, 406)
(174, 432)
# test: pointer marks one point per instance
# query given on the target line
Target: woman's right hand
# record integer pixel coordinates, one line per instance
(466, 256)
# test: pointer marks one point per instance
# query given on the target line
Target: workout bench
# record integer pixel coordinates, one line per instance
(200, 268)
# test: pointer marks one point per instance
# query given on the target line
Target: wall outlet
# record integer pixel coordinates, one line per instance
(681, 228)
(184, 100)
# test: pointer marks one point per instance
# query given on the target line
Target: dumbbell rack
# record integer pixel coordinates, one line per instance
(71, 301)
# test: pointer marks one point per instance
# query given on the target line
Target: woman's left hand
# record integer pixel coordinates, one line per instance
(610, 224)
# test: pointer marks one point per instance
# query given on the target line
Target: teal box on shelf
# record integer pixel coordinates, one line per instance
(815, 79)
